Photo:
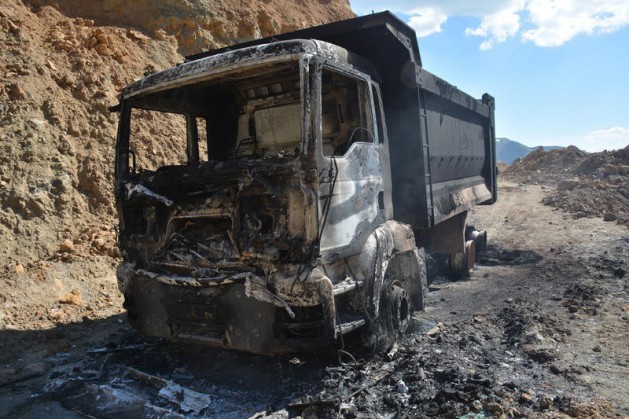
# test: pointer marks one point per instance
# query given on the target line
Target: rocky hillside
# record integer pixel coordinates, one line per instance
(62, 64)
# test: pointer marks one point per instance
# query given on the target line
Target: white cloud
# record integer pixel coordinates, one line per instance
(556, 22)
(428, 21)
(498, 17)
(607, 139)
(498, 26)
(546, 23)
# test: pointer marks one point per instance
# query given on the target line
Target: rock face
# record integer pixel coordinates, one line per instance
(62, 64)
(197, 25)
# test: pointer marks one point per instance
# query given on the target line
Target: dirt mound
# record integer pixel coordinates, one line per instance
(584, 184)
(542, 166)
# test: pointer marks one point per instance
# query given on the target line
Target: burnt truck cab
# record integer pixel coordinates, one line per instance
(264, 174)
(265, 205)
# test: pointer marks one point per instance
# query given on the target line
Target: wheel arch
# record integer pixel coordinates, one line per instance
(390, 251)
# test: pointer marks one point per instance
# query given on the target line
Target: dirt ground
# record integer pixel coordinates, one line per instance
(540, 328)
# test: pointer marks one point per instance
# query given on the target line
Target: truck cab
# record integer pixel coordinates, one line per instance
(265, 173)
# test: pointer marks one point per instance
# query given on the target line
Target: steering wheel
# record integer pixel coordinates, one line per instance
(355, 130)
(342, 148)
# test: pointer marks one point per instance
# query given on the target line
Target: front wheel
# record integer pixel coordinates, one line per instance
(397, 308)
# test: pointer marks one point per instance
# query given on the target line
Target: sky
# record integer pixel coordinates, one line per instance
(559, 69)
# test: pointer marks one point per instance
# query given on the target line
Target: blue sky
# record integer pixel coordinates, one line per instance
(559, 70)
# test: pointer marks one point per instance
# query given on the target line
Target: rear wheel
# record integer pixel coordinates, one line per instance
(462, 263)
(478, 236)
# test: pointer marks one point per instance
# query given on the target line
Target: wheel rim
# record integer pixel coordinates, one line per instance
(400, 308)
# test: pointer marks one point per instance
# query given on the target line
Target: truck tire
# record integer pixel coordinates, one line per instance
(480, 240)
(463, 263)
(393, 319)
(479, 237)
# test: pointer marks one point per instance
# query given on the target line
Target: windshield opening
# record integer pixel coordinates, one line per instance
(248, 113)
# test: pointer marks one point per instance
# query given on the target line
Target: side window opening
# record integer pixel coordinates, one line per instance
(345, 114)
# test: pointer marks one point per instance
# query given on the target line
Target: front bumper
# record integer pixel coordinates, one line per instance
(240, 312)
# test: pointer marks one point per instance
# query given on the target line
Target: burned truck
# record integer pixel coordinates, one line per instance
(279, 194)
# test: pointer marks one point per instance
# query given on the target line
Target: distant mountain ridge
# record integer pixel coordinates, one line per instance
(508, 150)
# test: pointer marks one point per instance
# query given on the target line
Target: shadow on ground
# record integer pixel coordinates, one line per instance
(103, 368)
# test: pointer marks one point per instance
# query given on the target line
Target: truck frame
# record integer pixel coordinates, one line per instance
(299, 183)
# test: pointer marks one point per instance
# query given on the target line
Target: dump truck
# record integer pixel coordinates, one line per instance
(278, 194)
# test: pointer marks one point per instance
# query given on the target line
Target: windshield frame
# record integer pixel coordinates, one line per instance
(125, 156)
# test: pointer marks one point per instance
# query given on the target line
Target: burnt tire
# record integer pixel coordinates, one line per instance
(394, 318)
